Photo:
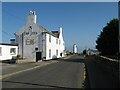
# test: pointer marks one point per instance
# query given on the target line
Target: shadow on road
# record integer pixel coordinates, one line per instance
(86, 83)
(73, 60)
(35, 84)
(99, 76)
(76, 59)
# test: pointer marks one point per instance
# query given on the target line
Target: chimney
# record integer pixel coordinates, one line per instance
(31, 17)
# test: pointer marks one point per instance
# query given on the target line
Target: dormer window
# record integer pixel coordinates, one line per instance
(49, 38)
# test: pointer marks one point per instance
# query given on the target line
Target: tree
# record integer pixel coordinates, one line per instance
(107, 42)
(84, 51)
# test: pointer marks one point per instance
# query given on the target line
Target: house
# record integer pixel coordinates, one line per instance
(8, 51)
(37, 43)
(92, 52)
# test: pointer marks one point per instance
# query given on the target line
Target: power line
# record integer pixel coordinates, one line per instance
(7, 33)
(16, 17)
(10, 14)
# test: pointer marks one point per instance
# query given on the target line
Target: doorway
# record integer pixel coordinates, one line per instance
(38, 56)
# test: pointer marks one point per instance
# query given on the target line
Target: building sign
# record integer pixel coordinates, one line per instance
(29, 41)
(30, 33)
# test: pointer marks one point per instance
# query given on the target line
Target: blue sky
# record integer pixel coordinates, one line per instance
(81, 22)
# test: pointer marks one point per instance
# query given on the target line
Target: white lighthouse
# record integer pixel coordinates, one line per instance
(74, 48)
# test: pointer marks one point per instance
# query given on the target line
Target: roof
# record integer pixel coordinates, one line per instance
(56, 33)
(8, 44)
(53, 33)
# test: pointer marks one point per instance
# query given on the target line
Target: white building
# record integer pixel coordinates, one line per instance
(36, 42)
(92, 52)
(8, 51)
(74, 48)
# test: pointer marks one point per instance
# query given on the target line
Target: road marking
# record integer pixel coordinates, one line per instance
(84, 75)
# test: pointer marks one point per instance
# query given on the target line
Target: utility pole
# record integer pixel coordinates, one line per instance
(119, 36)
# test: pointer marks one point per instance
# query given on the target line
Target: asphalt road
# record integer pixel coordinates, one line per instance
(64, 74)
(97, 76)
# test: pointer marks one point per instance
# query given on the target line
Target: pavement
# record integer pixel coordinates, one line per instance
(22, 66)
(66, 73)
(70, 72)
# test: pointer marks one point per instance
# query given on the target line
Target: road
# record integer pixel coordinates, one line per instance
(66, 73)
(97, 76)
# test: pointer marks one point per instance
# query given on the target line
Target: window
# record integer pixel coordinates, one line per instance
(63, 44)
(49, 53)
(56, 41)
(59, 42)
(12, 50)
(0, 50)
(49, 38)
(56, 52)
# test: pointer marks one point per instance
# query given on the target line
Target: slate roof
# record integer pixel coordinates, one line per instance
(9, 44)
(53, 33)
(56, 33)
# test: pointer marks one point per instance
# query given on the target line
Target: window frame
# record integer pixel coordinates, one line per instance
(56, 40)
(59, 42)
(57, 52)
(49, 53)
(49, 38)
(14, 52)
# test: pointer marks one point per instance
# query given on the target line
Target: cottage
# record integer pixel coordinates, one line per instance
(8, 51)
(37, 43)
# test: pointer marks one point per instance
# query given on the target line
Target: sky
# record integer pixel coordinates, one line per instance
(82, 22)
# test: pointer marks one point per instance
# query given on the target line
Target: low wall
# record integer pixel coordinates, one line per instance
(109, 65)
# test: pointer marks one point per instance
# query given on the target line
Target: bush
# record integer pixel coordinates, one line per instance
(18, 57)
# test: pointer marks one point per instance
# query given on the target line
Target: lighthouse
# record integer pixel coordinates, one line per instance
(74, 48)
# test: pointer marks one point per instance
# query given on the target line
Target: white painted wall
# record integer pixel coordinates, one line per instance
(54, 46)
(6, 55)
(29, 50)
(62, 44)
